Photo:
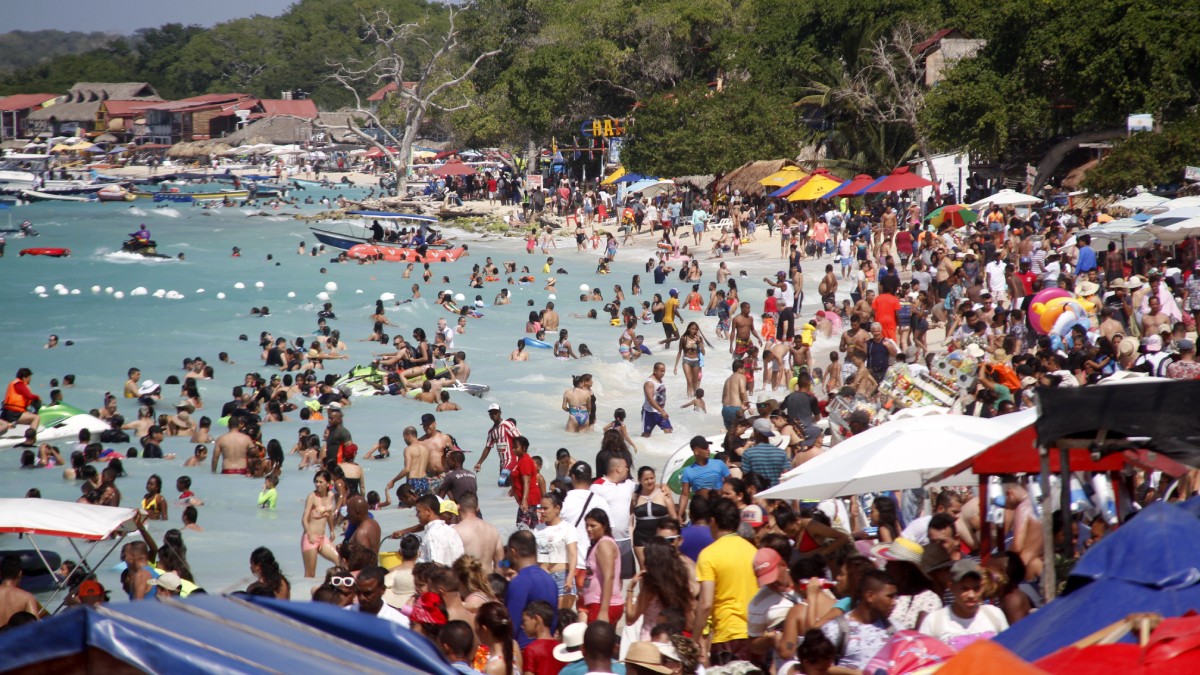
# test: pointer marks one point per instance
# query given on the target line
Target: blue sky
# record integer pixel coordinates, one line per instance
(89, 15)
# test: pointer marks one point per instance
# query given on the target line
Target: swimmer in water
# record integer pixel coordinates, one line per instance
(562, 348)
(577, 402)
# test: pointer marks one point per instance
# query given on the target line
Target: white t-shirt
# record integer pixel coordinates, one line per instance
(552, 541)
(768, 608)
(573, 511)
(846, 248)
(448, 333)
(619, 496)
(995, 276)
(958, 632)
(918, 530)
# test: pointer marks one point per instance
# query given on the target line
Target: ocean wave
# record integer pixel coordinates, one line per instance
(126, 258)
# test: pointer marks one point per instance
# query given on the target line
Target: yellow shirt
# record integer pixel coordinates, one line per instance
(546, 268)
(669, 310)
(729, 563)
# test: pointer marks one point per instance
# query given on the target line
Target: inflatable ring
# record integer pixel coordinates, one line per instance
(491, 278)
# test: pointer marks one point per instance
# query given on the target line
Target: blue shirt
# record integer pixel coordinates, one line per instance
(531, 583)
(1087, 259)
(711, 476)
(695, 539)
(767, 461)
(580, 668)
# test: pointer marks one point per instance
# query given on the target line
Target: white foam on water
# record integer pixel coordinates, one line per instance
(168, 212)
(136, 211)
(125, 258)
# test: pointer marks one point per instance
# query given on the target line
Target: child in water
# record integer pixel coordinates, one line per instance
(697, 403)
(269, 495)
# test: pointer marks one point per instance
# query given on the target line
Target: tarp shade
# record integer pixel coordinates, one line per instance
(61, 519)
(1164, 412)
(204, 635)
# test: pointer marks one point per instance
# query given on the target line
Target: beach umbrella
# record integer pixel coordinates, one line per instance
(909, 652)
(612, 177)
(784, 176)
(454, 169)
(1006, 198)
(898, 181)
(1172, 647)
(814, 187)
(1177, 231)
(1175, 215)
(786, 189)
(897, 455)
(651, 186)
(1144, 200)
(957, 215)
(629, 178)
(851, 186)
(986, 657)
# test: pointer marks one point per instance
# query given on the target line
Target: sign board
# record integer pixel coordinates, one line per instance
(614, 151)
(603, 127)
(1191, 173)
(533, 181)
(1140, 122)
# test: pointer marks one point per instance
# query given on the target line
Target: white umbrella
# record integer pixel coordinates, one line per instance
(651, 186)
(1177, 231)
(898, 455)
(1177, 203)
(1006, 198)
(1124, 232)
(1174, 215)
(1139, 202)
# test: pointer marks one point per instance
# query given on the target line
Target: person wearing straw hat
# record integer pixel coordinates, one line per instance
(644, 657)
(915, 597)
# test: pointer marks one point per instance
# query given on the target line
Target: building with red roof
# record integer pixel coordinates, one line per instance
(14, 113)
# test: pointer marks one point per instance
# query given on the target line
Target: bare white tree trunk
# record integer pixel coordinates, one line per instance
(890, 88)
(418, 88)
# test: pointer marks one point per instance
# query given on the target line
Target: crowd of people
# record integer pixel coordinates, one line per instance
(605, 560)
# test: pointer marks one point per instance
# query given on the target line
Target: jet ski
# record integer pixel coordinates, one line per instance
(59, 422)
(147, 248)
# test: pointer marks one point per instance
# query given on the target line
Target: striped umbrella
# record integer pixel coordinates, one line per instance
(957, 215)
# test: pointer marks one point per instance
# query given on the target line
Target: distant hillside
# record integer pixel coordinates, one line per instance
(21, 48)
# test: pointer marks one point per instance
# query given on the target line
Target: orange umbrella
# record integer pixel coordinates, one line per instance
(988, 658)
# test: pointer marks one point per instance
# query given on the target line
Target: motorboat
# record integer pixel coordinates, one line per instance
(346, 236)
(147, 248)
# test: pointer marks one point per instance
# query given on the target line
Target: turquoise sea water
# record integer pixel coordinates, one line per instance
(111, 335)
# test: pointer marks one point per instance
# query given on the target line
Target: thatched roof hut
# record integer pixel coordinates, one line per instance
(745, 178)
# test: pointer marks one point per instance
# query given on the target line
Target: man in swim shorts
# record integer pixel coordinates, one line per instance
(654, 412)
(577, 402)
(232, 448)
(500, 436)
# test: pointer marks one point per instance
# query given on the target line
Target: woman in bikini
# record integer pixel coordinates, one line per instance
(652, 504)
(154, 504)
(695, 302)
(318, 511)
(691, 352)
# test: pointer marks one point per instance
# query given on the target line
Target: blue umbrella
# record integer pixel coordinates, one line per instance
(785, 189)
(630, 178)
(1148, 565)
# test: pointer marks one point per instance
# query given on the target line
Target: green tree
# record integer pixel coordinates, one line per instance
(1148, 158)
(699, 131)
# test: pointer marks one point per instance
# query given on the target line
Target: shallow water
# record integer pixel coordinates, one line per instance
(156, 333)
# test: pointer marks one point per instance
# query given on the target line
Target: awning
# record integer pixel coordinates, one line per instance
(612, 177)
(898, 181)
(61, 519)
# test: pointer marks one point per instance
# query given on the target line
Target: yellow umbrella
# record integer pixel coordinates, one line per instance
(785, 176)
(614, 176)
(813, 188)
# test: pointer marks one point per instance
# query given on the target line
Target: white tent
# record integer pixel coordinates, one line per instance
(1006, 198)
(1140, 202)
(651, 187)
(1174, 215)
(1123, 232)
(897, 455)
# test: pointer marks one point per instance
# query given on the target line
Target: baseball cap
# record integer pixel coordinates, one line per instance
(1153, 343)
(91, 589)
(449, 506)
(767, 564)
(781, 273)
(964, 568)
(763, 427)
(900, 550)
(167, 580)
(674, 292)
(494, 406)
(753, 516)
(699, 442)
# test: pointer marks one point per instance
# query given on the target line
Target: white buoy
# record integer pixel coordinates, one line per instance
(59, 287)
(63, 291)
(43, 295)
(95, 289)
(552, 297)
(291, 294)
(160, 293)
(322, 295)
(220, 296)
(358, 291)
(460, 297)
(119, 294)
(259, 284)
(140, 290)
(331, 286)
(108, 290)
(174, 295)
(199, 290)
(387, 296)
(39, 289)
(239, 285)
(75, 291)
(584, 288)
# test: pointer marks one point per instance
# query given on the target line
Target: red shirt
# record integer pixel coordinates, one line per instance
(1026, 281)
(526, 467)
(491, 185)
(904, 242)
(771, 305)
(885, 308)
(538, 658)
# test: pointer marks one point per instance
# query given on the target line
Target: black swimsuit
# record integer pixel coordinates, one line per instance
(647, 520)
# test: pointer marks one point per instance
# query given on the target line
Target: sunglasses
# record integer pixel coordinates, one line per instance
(342, 581)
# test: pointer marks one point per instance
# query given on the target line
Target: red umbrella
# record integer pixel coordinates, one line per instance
(909, 651)
(454, 169)
(859, 182)
(1173, 647)
(899, 180)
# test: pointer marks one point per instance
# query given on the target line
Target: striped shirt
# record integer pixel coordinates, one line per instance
(767, 461)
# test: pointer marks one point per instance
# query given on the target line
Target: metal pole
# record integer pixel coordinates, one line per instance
(1049, 583)
(1064, 501)
(985, 529)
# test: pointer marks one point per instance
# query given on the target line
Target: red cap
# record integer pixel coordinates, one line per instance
(91, 589)
(767, 565)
